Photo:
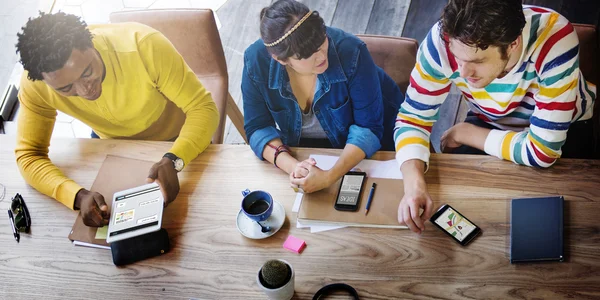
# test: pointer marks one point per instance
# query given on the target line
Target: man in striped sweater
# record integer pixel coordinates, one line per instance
(518, 68)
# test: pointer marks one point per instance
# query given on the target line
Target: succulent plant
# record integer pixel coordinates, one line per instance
(275, 274)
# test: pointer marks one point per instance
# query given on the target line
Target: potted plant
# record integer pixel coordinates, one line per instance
(276, 279)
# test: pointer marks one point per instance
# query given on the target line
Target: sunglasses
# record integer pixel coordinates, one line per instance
(22, 219)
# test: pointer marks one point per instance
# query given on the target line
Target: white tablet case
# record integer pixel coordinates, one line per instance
(135, 212)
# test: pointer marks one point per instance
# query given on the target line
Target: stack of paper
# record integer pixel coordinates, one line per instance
(320, 215)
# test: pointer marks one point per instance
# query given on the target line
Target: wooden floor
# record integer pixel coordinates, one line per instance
(407, 18)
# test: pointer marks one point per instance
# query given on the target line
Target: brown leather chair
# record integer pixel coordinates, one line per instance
(395, 55)
(194, 34)
(589, 64)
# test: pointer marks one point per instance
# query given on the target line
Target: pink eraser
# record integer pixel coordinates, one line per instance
(294, 244)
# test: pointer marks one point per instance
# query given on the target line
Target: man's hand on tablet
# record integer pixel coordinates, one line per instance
(165, 175)
(94, 210)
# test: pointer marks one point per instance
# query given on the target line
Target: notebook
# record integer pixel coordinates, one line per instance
(536, 229)
(116, 174)
(317, 208)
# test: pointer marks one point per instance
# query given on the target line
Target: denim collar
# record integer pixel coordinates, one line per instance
(278, 77)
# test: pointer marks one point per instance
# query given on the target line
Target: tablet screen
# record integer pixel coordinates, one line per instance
(134, 210)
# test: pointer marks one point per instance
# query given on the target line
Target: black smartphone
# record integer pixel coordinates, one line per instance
(454, 224)
(348, 197)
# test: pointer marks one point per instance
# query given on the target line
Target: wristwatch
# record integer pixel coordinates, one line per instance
(177, 162)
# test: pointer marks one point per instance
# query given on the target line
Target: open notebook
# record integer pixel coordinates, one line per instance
(116, 174)
(317, 208)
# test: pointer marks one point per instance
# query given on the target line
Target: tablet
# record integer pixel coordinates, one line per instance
(135, 211)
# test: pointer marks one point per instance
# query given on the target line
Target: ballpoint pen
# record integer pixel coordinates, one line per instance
(370, 197)
(12, 225)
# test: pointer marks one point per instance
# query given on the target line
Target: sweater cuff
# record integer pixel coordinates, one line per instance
(187, 150)
(66, 192)
(493, 143)
(413, 152)
(182, 154)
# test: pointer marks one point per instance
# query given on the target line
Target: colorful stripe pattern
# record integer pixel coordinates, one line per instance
(545, 93)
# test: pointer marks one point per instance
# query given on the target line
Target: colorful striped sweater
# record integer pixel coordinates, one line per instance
(533, 105)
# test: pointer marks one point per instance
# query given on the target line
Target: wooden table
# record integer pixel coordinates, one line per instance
(211, 260)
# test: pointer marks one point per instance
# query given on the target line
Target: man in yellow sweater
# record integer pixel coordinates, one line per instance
(124, 81)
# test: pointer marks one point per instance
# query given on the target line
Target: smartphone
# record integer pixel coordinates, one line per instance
(454, 224)
(348, 197)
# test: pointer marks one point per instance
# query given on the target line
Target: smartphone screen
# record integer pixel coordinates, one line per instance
(350, 190)
(455, 224)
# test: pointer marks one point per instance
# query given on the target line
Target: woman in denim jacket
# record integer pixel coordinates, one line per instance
(308, 85)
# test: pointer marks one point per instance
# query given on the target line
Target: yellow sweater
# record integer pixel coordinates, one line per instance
(149, 93)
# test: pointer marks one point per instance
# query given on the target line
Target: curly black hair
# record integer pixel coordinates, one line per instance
(483, 23)
(47, 41)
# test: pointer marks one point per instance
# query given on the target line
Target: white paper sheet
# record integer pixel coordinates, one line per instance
(296, 207)
(388, 169)
(374, 168)
(315, 229)
(84, 244)
(298, 225)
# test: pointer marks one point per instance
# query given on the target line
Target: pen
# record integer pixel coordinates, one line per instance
(12, 225)
(370, 197)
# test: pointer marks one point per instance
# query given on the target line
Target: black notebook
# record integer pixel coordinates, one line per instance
(536, 229)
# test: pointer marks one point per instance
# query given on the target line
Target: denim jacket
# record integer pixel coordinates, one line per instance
(348, 104)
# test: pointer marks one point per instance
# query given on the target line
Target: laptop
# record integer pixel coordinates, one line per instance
(536, 229)
(135, 212)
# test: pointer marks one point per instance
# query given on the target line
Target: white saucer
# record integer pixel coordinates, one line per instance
(252, 230)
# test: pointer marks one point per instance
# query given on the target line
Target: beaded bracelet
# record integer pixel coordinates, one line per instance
(278, 150)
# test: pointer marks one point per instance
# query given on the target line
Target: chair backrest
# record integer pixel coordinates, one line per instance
(194, 34)
(395, 55)
(589, 64)
(588, 52)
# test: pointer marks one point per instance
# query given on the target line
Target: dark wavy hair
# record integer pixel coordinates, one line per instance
(483, 23)
(46, 42)
(281, 16)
